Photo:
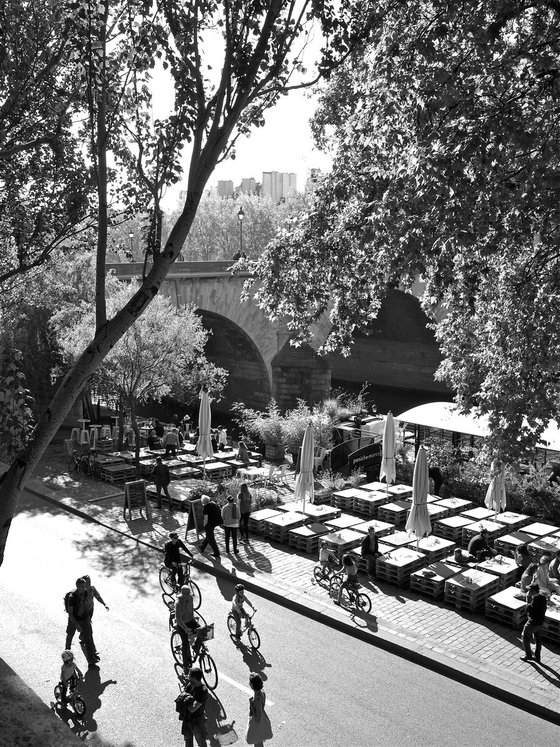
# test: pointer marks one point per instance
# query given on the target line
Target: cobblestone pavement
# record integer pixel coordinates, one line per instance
(469, 646)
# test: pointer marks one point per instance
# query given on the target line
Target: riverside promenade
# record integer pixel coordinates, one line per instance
(466, 647)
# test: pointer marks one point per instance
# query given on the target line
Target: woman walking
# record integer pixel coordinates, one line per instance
(259, 728)
(244, 499)
(230, 517)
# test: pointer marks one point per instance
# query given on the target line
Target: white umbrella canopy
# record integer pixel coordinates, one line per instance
(305, 480)
(418, 522)
(388, 467)
(204, 443)
(496, 494)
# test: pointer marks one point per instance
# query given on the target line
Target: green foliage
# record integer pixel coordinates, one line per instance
(265, 427)
(445, 133)
(16, 416)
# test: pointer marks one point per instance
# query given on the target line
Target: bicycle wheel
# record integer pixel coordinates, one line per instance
(232, 625)
(180, 674)
(334, 586)
(344, 597)
(177, 647)
(363, 602)
(254, 638)
(79, 706)
(196, 595)
(209, 670)
(165, 580)
(168, 600)
(58, 693)
(318, 574)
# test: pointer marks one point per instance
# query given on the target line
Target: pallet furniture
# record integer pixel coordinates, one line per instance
(507, 544)
(344, 499)
(435, 548)
(307, 537)
(277, 527)
(319, 513)
(382, 528)
(180, 495)
(394, 513)
(344, 521)
(396, 566)
(454, 505)
(361, 563)
(399, 539)
(545, 546)
(375, 486)
(399, 492)
(116, 473)
(430, 580)
(105, 459)
(451, 528)
(539, 529)
(343, 541)
(217, 470)
(504, 568)
(470, 589)
(494, 530)
(507, 607)
(184, 472)
(551, 626)
(257, 519)
(478, 514)
(367, 502)
(437, 512)
(512, 520)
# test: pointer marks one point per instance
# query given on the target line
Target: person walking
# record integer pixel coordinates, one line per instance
(230, 518)
(536, 611)
(92, 594)
(212, 519)
(191, 705)
(77, 606)
(171, 442)
(370, 550)
(244, 500)
(259, 728)
(162, 478)
(222, 438)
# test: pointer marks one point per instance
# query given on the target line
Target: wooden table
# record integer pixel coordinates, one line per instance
(317, 512)
(362, 563)
(252, 473)
(104, 459)
(344, 521)
(184, 472)
(454, 505)
(512, 520)
(494, 530)
(545, 546)
(306, 538)
(478, 514)
(399, 539)
(382, 528)
(400, 491)
(507, 544)
(345, 498)
(116, 473)
(551, 626)
(435, 548)
(367, 503)
(539, 529)
(191, 460)
(504, 568)
(394, 513)
(398, 564)
(376, 486)
(437, 512)
(470, 589)
(217, 470)
(431, 579)
(277, 527)
(180, 494)
(257, 519)
(343, 540)
(507, 608)
(452, 527)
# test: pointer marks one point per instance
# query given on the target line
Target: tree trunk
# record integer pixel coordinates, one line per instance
(136, 430)
(121, 425)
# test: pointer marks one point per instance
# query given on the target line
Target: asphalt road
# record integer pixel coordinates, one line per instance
(323, 687)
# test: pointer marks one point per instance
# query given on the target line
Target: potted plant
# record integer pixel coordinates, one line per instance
(264, 427)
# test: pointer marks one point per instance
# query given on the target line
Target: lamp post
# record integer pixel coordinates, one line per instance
(131, 236)
(240, 216)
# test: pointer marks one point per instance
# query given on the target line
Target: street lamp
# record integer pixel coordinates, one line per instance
(240, 216)
(131, 236)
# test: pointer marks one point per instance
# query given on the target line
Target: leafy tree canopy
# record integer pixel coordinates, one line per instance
(445, 133)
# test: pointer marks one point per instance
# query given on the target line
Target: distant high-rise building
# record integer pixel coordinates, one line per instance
(248, 187)
(225, 188)
(276, 185)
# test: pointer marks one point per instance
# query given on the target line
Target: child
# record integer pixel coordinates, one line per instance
(238, 609)
(324, 553)
(351, 575)
(68, 671)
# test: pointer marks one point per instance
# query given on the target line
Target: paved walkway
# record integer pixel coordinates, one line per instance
(470, 648)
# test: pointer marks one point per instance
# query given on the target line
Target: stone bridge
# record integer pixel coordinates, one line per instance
(398, 351)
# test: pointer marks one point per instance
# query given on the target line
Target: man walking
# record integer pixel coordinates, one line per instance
(171, 442)
(162, 478)
(92, 594)
(212, 519)
(536, 611)
(370, 550)
(77, 607)
(191, 706)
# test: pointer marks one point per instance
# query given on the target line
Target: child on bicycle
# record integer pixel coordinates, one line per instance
(69, 673)
(327, 559)
(237, 609)
(350, 582)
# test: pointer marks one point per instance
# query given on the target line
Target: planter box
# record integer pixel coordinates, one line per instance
(274, 452)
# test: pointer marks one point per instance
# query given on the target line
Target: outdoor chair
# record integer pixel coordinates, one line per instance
(105, 432)
(75, 435)
(84, 437)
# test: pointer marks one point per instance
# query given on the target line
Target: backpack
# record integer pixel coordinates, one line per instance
(66, 600)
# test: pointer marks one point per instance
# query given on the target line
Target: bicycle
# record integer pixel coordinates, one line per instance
(322, 574)
(203, 658)
(350, 595)
(169, 587)
(246, 626)
(81, 462)
(73, 698)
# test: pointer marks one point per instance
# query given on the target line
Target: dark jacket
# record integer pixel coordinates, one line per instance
(212, 511)
(173, 552)
(160, 473)
(536, 609)
(369, 547)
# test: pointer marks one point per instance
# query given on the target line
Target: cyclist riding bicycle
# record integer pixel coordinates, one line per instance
(172, 558)
(186, 624)
(69, 673)
(350, 582)
(237, 609)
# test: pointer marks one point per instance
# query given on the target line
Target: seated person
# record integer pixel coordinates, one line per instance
(523, 559)
(242, 453)
(158, 428)
(479, 549)
(546, 584)
(153, 440)
(171, 442)
(527, 577)
(554, 567)
(350, 570)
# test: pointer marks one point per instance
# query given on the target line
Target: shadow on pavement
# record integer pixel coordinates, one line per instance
(254, 660)
(91, 690)
(259, 560)
(219, 731)
(553, 678)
